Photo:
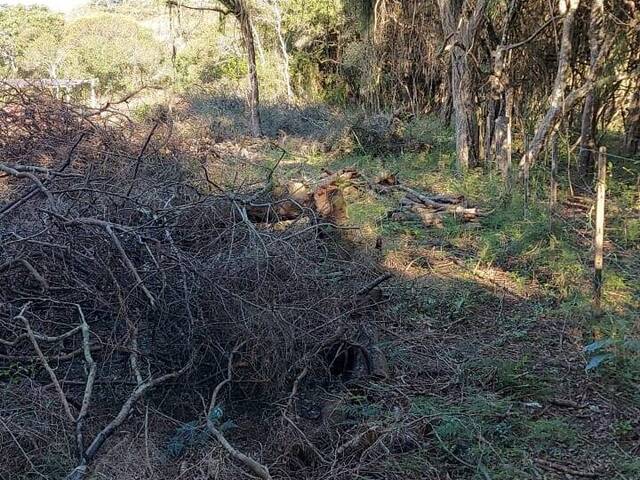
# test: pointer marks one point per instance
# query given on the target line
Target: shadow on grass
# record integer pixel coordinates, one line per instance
(228, 117)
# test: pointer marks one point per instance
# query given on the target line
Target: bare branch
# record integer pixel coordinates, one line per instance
(30, 176)
(219, 10)
(45, 363)
(256, 467)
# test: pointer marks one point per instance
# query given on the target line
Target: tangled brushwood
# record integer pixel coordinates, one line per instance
(138, 296)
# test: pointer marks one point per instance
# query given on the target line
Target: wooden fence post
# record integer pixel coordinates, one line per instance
(599, 234)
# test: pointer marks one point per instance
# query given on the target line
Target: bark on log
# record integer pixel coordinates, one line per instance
(438, 206)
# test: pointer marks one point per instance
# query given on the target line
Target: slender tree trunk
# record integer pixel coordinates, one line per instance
(502, 137)
(283, 49)
(632, 127)
(587, 135)
(446, 102)
(557, 101)
(598, 240)
(553, 194)
(246, 27)
(490, 132)
(258, 43)
(240, 10)
(499, 86)
(587, 131)
(460, 24)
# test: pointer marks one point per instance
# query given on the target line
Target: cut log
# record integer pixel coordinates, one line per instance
(417, 198)
(289, 201)
(429, 218)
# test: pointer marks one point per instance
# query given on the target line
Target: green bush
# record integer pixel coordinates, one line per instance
(205, 61)
(29, 41)
(114, 49)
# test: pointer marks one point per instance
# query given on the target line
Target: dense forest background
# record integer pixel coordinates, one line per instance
(470, 63)
(324, 239)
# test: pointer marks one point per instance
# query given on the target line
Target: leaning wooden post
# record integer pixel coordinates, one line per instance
(599, 235)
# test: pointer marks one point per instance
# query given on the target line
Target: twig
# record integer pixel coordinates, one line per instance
(565, 469)
(219, 10)
(33, 467)
(30, 176)
(45, 363)
(294, 390)
(80, 471)
(256, 467)
(39, 337)
(130, 264)
(8, 208)
(139, 158)
(370, 286)
(88, 390)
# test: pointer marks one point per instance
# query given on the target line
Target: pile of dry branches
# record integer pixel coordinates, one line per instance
(121, 271)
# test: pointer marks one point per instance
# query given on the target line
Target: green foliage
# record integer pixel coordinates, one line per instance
(616, 359)
(131, 57)
(623, 429)
(306, 78)
(304, 19)
(540, 433)
(29, 40)
(36, 43)
(207, 59)
(359, 408)
(188, 435)
(517, 379)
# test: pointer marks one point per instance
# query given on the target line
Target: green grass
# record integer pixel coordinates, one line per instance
(489, 425)
(491, 432)
(525, 241)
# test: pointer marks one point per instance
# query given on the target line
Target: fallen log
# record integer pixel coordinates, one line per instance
(414, 205)
(290, 200)
(439, 205)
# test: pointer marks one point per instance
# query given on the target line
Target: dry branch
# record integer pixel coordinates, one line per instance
(45, 363)
(164, 272)
(256, 467)
(437, 203)
(30, 176)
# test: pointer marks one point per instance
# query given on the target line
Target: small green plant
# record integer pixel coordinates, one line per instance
(544, 432)
(623, 429)
(606, 350)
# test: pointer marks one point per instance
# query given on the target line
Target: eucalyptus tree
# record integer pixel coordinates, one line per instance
(240, 10)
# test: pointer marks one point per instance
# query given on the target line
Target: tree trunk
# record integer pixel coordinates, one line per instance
(242, 15)
(502, 137)
(461, 27)
(587, 135)
(632, 130)
(557, 99)
(258, 43)
(490, 132)
(464, 111)
(587, 131)
(553, 194)
(500, 93)
(283, 49)
(446, 103)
